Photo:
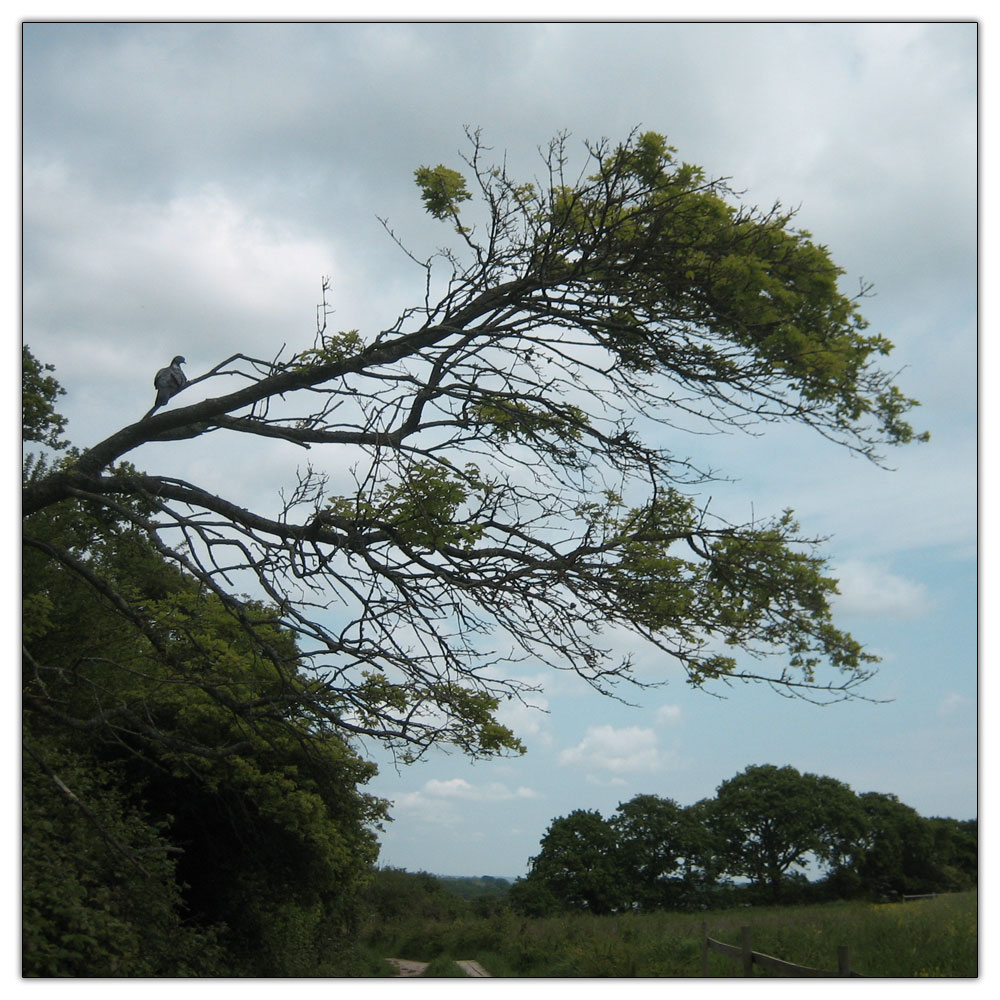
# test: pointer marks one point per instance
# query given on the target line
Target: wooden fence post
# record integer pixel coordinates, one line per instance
(843, 960)
(746, 941)
(769, 963)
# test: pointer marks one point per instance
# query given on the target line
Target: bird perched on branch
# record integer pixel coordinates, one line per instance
(168, 382)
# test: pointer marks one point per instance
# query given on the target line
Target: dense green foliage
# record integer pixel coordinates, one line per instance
(578, 863)
(394, 894)
(899, 852)
(182, 815)
(101, 896)
(40, 423)
(756, 839)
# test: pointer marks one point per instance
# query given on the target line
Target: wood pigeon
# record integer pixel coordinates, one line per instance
(168, 382)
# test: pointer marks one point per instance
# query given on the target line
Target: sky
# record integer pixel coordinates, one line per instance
(186, 187)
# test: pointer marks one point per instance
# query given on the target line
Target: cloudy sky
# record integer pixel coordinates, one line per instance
(187, 186)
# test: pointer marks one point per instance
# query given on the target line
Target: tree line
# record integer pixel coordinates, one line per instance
(753, 841)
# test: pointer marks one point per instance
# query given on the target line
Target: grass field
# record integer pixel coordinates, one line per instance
(932, 937)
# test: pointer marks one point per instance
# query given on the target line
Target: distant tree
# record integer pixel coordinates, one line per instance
(532, 897)
(956, 845)
(505, 497)
(895, 853)
(577, 868)
(472, 887)
(900, 852)
(768, 824)
(396, 894)
(770, 819)
(663, 852)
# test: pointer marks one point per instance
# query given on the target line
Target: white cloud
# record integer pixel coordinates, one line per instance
(201, 266)
(459, 788)
(874, 591)
(629, 750)
(669, 715)
(441, 800)
(417, 806)
(951, 703)
(527, 721)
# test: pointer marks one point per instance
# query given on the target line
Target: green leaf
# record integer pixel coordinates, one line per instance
(442, 189)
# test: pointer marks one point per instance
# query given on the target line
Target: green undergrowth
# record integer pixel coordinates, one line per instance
(927, 938)
(371, 963)
(442, 968)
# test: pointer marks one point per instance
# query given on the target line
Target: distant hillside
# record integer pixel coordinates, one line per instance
(473, 886)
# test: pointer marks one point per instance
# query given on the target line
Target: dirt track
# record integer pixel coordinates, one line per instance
(474, 969)
(405, 968)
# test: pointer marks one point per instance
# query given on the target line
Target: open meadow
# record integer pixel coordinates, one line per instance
(924, 938)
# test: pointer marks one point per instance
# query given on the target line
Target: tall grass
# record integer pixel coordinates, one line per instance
(934, 937)
(931, 937)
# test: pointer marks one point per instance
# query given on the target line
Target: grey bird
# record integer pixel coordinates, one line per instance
(168, 382)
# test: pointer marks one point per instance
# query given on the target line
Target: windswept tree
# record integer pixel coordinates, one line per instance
(512, 497)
